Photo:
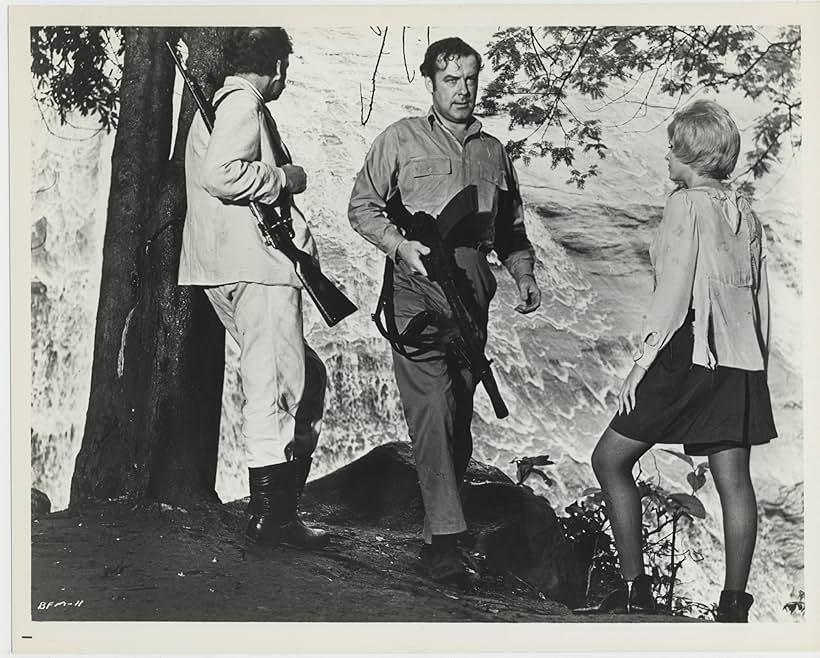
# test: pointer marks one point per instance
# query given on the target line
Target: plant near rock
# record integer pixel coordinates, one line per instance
(797, 608)
(527, 466)
(586, 526)
(665, 515)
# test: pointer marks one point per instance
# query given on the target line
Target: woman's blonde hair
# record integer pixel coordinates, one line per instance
(704, 136)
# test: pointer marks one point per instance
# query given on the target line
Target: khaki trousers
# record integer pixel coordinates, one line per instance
(437, 394)
(283, 379)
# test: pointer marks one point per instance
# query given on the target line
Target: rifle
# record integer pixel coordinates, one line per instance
(277, 231)
(441, 268)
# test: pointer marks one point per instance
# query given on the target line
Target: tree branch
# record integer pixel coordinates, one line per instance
(548, 122)
(365, 119)
(737, 76)
(51, 132)
(535, 41)
(774, 143)
(404, 57)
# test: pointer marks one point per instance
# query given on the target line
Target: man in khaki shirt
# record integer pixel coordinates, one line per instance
(428, 160)
(252, 287)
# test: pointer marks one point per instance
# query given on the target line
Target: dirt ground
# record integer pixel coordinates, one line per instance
(115, 562)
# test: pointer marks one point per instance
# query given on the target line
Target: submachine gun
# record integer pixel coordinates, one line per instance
(277, 231)
(441, 268)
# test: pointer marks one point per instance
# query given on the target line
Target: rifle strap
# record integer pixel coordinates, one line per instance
(281, 155)
(411, 343)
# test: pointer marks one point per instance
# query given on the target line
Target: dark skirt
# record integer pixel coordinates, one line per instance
(704, 410)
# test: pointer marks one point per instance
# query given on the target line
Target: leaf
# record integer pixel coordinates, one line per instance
(695, 480)
(542, 460)
(523, 471)
(689, 504)
(680, 455)
(536, 69)
(546, 478)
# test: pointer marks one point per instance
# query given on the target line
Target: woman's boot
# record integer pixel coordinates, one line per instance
(640, 599)
(734, 606)
(630, 596)
(613, 602)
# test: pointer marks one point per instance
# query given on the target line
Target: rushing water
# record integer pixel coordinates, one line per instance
(558, 370)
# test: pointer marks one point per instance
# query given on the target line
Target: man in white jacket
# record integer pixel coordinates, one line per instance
(252, 287)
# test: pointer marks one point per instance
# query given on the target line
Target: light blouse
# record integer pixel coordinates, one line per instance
(709, 254)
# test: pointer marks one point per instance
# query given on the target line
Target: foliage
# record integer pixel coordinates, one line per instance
(526, 466)
(538, 70)
(78, 69)
(665, 515)
(797, 608)
(586, 526)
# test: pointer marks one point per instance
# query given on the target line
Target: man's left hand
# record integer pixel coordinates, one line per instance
(530, 294)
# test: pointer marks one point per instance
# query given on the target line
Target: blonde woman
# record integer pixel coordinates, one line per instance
(699, 378)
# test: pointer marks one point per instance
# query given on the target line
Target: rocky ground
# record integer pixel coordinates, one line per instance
(119, 561)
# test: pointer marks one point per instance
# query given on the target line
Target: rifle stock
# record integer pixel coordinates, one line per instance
(332, 303)
(441, 267)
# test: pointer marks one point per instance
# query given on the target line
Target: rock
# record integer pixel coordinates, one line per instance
(382, 487)
(40, 504)
(516, 530)
(379, 488)
(519, 533)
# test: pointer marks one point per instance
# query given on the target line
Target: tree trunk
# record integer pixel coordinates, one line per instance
(152, 426)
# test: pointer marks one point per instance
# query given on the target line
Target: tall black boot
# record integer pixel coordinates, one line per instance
(443, 561)
(271, 512)
(316, 537)
(734, 606)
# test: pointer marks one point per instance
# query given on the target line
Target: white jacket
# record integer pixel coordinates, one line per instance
(221, 242)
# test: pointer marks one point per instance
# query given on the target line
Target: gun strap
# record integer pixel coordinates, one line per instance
(411, 343)
(281, 155)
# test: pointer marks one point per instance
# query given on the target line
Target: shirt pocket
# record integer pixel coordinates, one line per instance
(492, 182)
(732, 265)
(423, 167)
(493, 175)
(733, 324)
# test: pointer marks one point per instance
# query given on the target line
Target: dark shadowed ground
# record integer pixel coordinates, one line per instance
(116, 561)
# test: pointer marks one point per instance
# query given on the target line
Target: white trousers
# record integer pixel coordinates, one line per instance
(283, 379)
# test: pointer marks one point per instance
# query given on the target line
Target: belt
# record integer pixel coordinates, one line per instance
(480, 245)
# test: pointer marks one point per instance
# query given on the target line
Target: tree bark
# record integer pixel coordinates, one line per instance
(152, 426)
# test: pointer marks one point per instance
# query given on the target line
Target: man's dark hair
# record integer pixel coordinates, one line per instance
(446, 49)
(256, 49)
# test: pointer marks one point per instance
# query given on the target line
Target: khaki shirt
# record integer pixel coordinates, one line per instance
(710, 254)
(423, 160)
(221, 242)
